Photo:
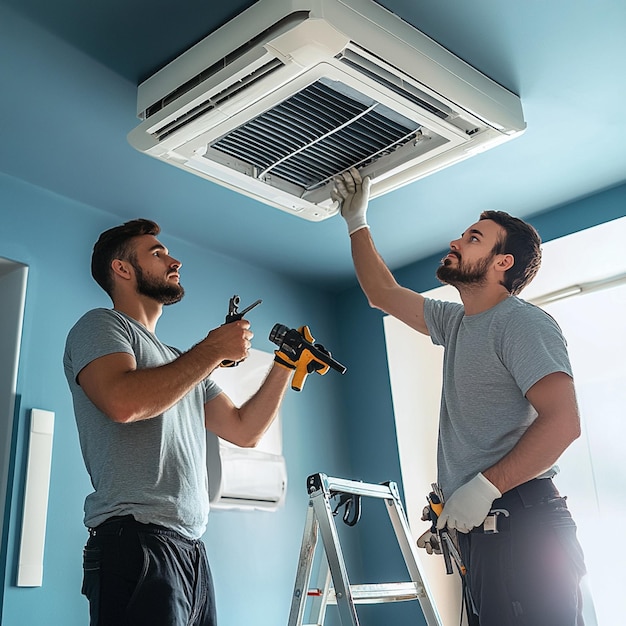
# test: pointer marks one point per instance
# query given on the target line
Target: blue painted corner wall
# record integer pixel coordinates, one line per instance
(340, 425)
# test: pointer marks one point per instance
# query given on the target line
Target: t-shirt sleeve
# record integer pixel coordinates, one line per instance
(98, 333)
(211, 389)
(534, 347)
(437, 315)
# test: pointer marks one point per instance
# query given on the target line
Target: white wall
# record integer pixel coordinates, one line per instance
(415, 366)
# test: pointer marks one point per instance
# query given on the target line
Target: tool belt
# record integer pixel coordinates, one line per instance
(523, 497)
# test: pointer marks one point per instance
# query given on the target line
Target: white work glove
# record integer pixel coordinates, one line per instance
(429, 542)
(469, 505)
(352, 194)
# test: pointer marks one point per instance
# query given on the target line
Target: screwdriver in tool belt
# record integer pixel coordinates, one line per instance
(447, 546)
(436, 506)
(435, 503)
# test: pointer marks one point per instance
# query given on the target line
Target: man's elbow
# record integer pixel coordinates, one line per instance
(575, 431)
(245, 441)
(251, 443)
(376, 300)
(123, 413)
(121, 417)
(570, 432)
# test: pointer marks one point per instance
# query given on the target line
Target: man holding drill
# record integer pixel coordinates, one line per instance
(142, 408)
(508, 411)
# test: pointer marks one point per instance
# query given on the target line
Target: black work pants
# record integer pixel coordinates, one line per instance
(146, 575)
(528, 573)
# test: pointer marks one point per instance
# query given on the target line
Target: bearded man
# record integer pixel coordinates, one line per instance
(142, 408)
(508, 411)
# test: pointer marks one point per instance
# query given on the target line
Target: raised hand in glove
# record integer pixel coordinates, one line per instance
(352, 194)
(469, 505)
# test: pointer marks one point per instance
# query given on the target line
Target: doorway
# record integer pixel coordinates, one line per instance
(13, 276)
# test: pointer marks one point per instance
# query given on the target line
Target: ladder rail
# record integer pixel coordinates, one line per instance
(305, 565)
(411, 558)
(336, 562)
(324, 595)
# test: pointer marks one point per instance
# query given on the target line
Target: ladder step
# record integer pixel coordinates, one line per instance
(380, 592)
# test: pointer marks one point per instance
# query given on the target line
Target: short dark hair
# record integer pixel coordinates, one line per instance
(523, 242)
(115, 244)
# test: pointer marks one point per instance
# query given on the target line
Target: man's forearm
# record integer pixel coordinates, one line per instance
(127, 394)
(140, 394)
(381, 288)
(371, 271)
(259, 411)
(246, 425)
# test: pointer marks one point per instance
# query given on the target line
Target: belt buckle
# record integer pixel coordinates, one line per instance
(490, 525)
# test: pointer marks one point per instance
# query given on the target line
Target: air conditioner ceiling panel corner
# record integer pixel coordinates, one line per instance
(290, 93)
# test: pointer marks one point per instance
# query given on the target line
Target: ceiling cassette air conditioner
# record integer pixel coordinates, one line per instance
(290, 93)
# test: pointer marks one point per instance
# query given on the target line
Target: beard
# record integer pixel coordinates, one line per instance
(461, 274)
(157, 289)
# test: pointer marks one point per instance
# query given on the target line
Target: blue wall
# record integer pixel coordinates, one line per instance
(339, 425)
(56, 93)
(251, 553)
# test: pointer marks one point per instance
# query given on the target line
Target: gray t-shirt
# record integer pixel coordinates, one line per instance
(153, 469)
(491, 360)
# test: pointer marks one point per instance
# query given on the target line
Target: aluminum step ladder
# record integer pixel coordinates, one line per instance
(321, 489)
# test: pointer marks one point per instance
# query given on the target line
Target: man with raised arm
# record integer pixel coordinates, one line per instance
(508, 411)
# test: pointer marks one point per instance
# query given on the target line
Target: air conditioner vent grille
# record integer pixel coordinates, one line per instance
(217, 99)
(275, 29)
(318, 133)
(393, 81)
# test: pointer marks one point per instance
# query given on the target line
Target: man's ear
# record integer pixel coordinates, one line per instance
(504, 262)
(121, 268)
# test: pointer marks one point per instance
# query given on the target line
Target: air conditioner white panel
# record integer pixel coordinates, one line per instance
(247, 478)
(290, 93)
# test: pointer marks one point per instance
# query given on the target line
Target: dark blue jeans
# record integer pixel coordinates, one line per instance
(146, 575)
(528, 573)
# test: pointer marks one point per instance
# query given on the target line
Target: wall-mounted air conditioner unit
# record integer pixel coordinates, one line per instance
(247, 478)
(290, 93)
(243, 478)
